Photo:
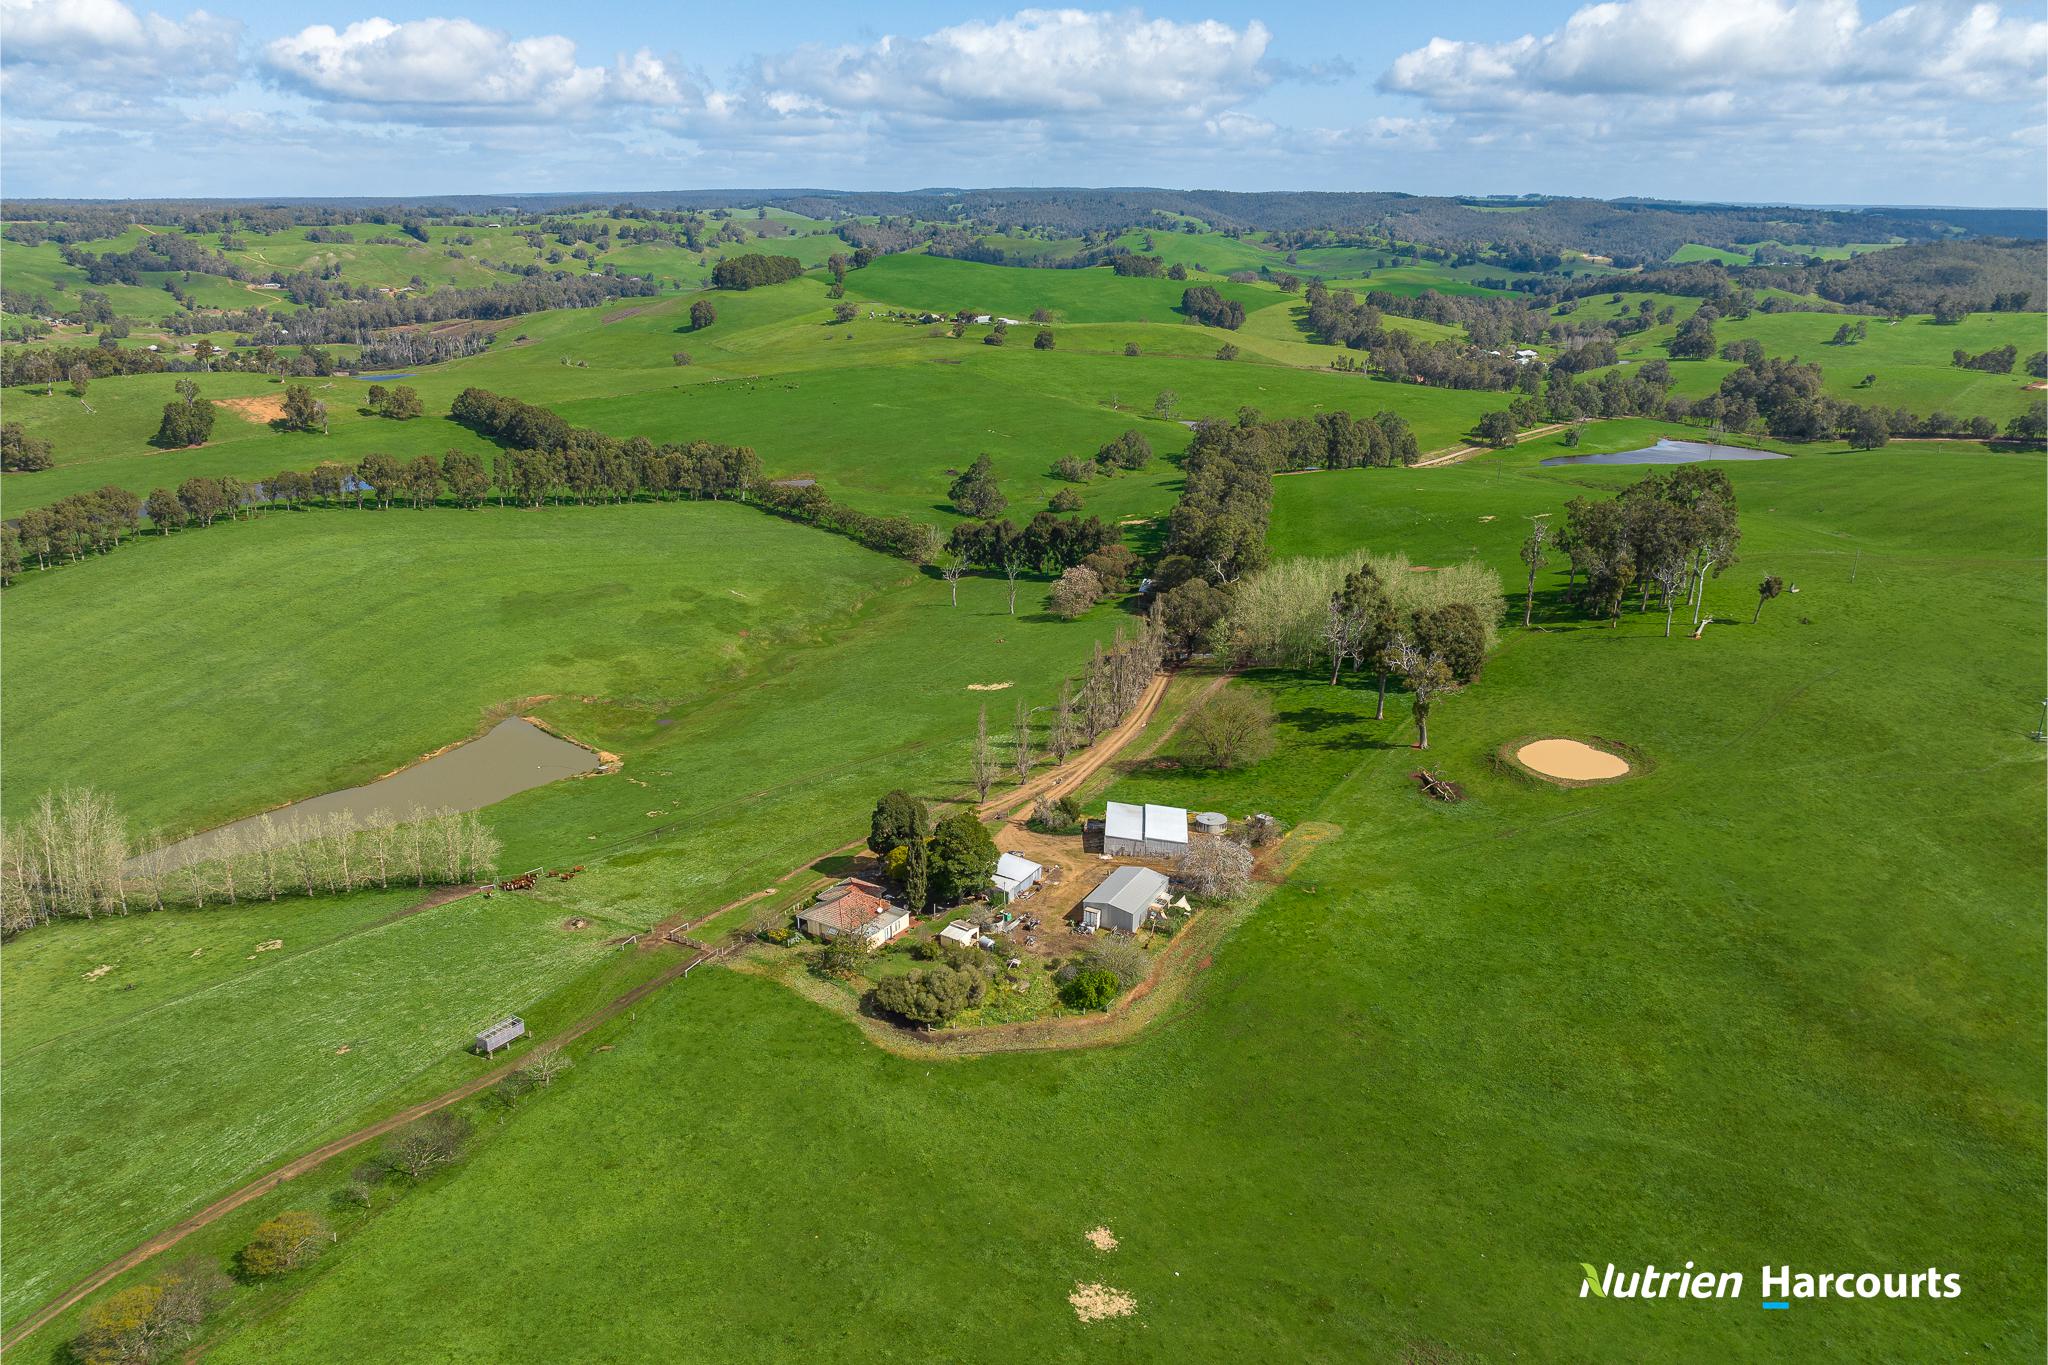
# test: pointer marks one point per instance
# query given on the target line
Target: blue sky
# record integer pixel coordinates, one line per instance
(1808, 101)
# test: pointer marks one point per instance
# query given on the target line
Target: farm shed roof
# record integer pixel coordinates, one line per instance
(1166, 822)
(1131, 889)
(1126, 821)
(1013, 870)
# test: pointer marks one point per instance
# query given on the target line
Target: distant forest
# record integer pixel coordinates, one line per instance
(1630, 231)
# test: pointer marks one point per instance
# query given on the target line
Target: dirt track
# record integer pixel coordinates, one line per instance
(1053, 781)
(1458, 453)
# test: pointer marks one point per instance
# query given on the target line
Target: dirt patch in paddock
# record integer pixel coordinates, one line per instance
(623, 314)
(1094, 1302)
(269, 408)
(1102, 1239)
(989, 687)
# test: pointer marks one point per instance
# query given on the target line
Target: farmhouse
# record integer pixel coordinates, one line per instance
(1016, 877)
(854, 907)
(1124, 900)
(1144, 831)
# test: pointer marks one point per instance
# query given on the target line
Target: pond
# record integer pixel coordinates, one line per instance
(380, 378)
(513, 756)
(1670, 452)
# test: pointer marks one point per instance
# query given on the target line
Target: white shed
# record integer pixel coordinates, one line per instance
(1016, 877)
(1130, 831)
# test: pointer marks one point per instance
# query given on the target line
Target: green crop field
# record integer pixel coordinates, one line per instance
(1665, 1018)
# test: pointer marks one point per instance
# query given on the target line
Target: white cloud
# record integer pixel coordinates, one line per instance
(1680, 49)
(1040, 64)
(456, 71)
(95, 60)
(1807, 96)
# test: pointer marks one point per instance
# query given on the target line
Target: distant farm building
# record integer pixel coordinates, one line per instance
(500, 1035)
(1125, 900)
(854, 907)
(1016, 877)
(1144, 831)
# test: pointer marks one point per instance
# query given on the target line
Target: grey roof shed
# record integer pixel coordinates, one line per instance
(1124, 899)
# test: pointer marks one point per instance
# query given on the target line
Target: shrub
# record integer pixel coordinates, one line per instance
(1130, 450)
(1121, 958)
(1073, 469)
(1130, 348)
(681, 357)
(150, 1322)
(1226, 352)
(930, 996)
(292, 1239)
(1231, 729)
(1090, 988)
(842, 956)
(1043, 341)
(21, 453)
(1066, 500)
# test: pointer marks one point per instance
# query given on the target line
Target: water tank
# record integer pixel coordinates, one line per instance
(1212, 822)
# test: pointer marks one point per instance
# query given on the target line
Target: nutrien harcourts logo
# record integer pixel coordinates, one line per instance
(1782, 1285)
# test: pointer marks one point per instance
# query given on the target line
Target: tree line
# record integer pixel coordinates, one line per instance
(71, 857)
(563, 464)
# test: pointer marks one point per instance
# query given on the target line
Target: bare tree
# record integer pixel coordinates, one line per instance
(1062, 736)
(547, 1068)
(1533, 555)
(1020, 732)
(951, 566)
(1013, 564)
(424, 1146)
(1215, 866)
(984, 757)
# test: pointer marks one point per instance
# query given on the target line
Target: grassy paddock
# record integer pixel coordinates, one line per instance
(1543, 1026)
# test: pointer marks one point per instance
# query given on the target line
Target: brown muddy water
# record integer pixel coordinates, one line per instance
(511, 757)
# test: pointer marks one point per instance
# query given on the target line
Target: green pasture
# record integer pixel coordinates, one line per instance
(1770, 1000)
(776, 372)
(731, 660)
(1912, 358)
(1094, 295)
(229, 1058)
